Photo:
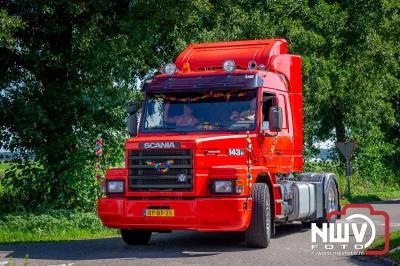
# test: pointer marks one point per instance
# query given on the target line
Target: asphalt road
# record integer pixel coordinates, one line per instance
(290, 246)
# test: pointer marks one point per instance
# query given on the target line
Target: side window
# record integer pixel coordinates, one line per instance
(269, 100)
(154, 113)
(282, 103)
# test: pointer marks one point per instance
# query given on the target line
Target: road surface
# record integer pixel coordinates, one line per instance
(290, 246)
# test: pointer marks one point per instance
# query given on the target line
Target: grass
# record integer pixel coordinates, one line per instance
(363, 195)
(51, 226)
(379, 244)
(371, 196)
(58, 235)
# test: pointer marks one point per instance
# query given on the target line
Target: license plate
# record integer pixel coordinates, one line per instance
(159, 212)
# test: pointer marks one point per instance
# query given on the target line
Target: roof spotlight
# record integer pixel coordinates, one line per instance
(229, 66)
(169, 69)
(252, 65)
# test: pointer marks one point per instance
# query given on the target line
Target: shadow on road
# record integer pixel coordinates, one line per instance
(178, 244)
(175, 245)
(289, 229)
(387, 202)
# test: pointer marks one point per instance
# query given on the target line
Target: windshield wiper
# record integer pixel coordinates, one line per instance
(170, 128)
(229, 128)
(220, 126)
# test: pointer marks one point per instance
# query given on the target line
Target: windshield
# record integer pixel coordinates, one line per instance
(217, 110)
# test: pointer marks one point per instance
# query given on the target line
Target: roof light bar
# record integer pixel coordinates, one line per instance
(252, 65)
(229, 66)
(169, 69)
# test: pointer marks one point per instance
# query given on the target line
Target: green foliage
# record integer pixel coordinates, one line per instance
(8, 26)
(3, 167)
(363, 188)
(65, 80)
(54, 225)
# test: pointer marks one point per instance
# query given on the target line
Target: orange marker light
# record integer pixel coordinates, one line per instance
(239, 186)
(186, 67)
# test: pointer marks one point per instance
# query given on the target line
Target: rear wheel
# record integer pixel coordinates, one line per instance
(258, 235)
(331, 203)
(136, 236)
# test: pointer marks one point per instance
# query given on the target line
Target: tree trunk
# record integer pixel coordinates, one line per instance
(340, 130)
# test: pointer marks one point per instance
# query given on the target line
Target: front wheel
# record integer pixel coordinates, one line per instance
(136, 236)
(258, 235)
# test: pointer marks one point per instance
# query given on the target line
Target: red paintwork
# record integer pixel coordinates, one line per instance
(200, 210)
(202, 214)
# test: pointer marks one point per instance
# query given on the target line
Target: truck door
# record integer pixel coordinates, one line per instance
(277, 151)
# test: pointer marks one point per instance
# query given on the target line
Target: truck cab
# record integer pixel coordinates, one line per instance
(217, 145)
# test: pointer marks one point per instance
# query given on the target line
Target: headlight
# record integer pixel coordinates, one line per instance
(227, 186)
(115, 187)
(223, 186)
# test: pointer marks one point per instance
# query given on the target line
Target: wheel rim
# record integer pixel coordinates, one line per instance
(331, 199)
(268, 222)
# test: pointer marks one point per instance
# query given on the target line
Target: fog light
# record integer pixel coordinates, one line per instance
(115, 187)
(239, 186)
(229, 66)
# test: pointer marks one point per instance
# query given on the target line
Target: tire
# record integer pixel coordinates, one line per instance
(258, 235)
(136, 236)
(331, 203)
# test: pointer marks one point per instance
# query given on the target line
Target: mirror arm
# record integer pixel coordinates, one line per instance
(266, 134)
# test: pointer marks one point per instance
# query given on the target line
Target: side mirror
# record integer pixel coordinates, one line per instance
(275, 119)
(133, 107)
(132, 125)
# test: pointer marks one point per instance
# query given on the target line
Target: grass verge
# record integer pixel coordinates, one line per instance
(379, 244)
(371, 196)
(51, 226)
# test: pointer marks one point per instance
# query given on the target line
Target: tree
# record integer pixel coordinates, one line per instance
(67, 71)
(64, 79)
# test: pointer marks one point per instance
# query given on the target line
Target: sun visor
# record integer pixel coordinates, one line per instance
(194, 83)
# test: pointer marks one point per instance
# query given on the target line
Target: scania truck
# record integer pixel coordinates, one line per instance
(217, 145)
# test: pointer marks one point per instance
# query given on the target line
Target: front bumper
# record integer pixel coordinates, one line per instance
(202, 214)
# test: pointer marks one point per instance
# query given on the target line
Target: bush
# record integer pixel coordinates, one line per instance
(28, 185)
(359, 184)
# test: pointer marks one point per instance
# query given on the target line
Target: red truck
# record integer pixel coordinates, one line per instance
(218, 148)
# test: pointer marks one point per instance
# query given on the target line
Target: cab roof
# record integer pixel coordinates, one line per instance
(211, 56)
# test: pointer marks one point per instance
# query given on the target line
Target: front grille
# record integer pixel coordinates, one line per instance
(143, 177)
